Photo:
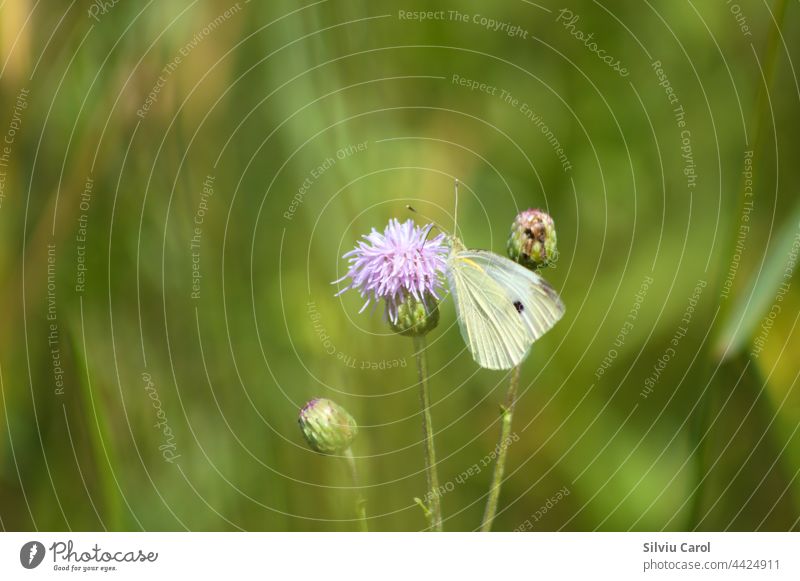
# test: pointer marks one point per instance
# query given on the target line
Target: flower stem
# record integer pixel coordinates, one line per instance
(434, 502)
(507, 412)
(361, 503)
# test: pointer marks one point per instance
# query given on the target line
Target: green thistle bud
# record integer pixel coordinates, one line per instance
(327, 426)
(532, 241)
(416, 317)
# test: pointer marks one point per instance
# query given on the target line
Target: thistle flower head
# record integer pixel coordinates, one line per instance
(396, 264)
(532, 241)
(327, 426)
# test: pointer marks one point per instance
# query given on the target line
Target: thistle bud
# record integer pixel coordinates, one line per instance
(415, 317)
(327, 426)
(532, 241)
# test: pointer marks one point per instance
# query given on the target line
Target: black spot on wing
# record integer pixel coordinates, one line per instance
(519, 306)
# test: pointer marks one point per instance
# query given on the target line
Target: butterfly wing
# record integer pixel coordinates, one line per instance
(502, 307)
(536, 301)
(492, 330)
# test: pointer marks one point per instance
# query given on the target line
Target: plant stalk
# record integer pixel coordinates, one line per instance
(434, 502)
(507, 413)
(361, 503)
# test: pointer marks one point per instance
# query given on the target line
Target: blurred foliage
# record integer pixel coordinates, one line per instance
(261, 101)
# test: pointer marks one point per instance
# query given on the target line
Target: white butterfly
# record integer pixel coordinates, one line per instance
(502, 306)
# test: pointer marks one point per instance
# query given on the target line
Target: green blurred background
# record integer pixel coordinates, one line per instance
(244, 107)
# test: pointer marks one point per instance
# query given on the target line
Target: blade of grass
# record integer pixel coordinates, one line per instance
(699, 424)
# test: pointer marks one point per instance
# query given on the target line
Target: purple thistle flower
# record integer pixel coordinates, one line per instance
(398, 263)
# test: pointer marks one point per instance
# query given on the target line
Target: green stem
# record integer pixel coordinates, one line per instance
(507, 413)
(361, 503)
(434, 502)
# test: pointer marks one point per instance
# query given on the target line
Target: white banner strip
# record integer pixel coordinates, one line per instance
(378, 556)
